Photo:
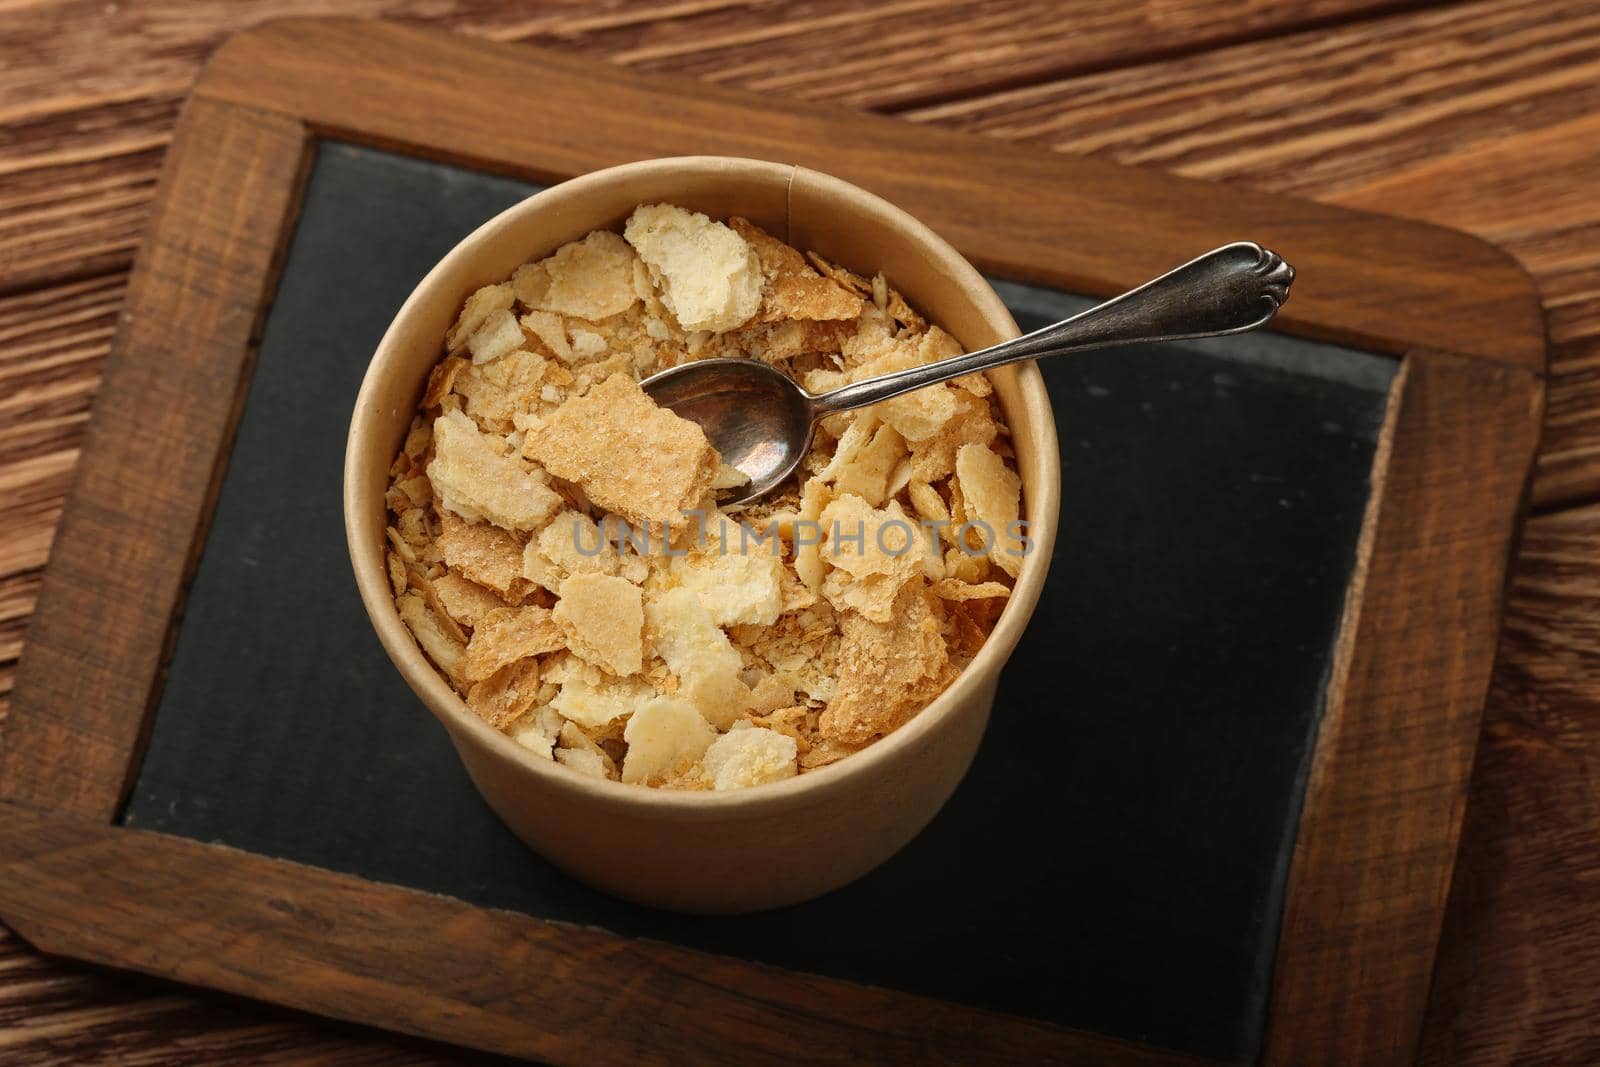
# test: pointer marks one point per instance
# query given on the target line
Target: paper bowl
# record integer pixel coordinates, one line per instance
(739, 850)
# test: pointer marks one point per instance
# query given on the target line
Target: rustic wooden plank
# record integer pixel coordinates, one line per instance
(879, 56)
(1078, 224)
(1481, 116)
(1388, 782)
(76, 190)
(120, 561)
(18, 595)
(1519, 964)
(53, 342)
(98, 88)
(52, 345)
(1540, 204)
(346, 948)
(92, 94)
(901, 54)
(1369, 99)
(53, 1011)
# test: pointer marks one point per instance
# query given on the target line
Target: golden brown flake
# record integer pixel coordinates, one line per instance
(486, 554)
(873, 553)
(797, 721)
(551, 332)
(594, 699)
(771, 693)
(936, 345)
(493, 395)
(993, 493)
(826, 750)
(499, 334)
(699, 654)
(666, 736)
(507, 695)
(590, 279)
(840, 276)
(577, 750)
(397, 572)
(934, 459)
(441, 380)
(737, 579)
(430, 597)
(628, 455)
(749, 755)
(571, 544)
(480, 305)
(707, 275)
(887, 670)
(465, 600)
(603, 618)
(901, 312)
(506, 635)
(476, 476)
(443, 648)
(955, 589)
(792, 289)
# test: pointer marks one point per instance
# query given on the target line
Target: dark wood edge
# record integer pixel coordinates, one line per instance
(432, 966)
(1354, 955)
(152, 461)
(1388, 784)
(1383, 284)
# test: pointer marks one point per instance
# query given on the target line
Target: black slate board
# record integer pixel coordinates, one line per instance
(1114, 861)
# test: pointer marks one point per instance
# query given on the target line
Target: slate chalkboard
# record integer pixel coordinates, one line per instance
(1115, 859)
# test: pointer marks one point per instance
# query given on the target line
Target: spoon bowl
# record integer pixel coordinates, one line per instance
(756, 417)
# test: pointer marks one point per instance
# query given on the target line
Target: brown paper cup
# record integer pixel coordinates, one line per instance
(771, 845)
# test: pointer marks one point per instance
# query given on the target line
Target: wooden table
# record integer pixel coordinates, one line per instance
(1483, 116)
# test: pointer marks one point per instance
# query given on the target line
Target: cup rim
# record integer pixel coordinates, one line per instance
(365, 539)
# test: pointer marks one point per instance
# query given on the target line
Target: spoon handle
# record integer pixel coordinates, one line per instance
(1231, 289)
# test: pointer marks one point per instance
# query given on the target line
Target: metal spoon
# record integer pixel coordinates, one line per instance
(762, 422)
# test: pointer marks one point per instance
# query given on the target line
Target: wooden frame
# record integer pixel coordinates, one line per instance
(1383, 806)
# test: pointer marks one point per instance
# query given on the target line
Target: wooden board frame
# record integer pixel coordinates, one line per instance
(1383, 806)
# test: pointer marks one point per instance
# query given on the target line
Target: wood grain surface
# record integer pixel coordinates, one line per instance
(1519, 962)
(514, 984)
(1476, 115)
(126, 552)
(1402, 719)
(1382, 284)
